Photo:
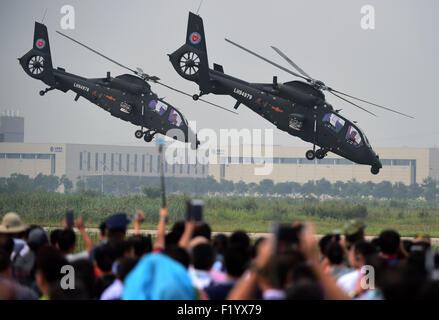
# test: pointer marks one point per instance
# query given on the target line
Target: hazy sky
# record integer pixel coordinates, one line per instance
(395, 65)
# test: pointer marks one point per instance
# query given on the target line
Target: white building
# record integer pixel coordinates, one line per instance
(407, 165)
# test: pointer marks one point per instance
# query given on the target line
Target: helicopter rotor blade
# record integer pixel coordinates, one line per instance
(291, 62)
(354, 104)
(368, 102)
(139, 72)
(98, 53)
(268, 61)
(187, 94)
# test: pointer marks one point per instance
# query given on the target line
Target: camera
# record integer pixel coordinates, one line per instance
(287, 235)
(195, 210)
(69, 219)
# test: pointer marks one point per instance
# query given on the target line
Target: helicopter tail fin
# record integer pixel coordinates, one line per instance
(37, 62)
(190, 60)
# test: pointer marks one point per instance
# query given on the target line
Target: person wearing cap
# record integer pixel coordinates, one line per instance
(9, 288)
(354, 232)
(24, 265)
(114, 229)
(117, 226)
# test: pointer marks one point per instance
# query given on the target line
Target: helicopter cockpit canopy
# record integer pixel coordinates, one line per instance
(158, 107)
(333, 121)
(363, 135)
(174, 116)
(354, 135)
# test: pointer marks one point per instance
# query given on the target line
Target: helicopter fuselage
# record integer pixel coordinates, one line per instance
(128, 102)
(305, 115)
(127, 97)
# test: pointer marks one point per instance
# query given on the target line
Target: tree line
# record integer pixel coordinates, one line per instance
(204, 186)
(18, 183)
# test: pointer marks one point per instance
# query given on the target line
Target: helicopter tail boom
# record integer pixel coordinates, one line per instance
(37, 62)
(190, 60)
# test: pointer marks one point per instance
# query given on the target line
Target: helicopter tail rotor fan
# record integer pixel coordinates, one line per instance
(188, 65)
(37, 62)
(36, 66)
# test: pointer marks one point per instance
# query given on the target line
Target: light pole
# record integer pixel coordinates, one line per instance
(437, 190)
(103, 166)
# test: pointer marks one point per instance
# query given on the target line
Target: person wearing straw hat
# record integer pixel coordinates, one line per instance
(13, 226)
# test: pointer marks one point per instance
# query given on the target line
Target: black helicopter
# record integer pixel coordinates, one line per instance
(296, 107)
(127, 97)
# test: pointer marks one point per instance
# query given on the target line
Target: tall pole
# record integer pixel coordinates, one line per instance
(437, 190)
(102, 176)
(160, 144)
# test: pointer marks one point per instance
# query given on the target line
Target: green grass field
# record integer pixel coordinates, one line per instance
(228, 214)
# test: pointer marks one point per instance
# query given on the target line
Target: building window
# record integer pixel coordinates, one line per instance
(120, 162)
(96, 161)
(143, 163)
(203, 169)
(188, 169)
(128, 163)
(234, 160)
(325, 161)
(288, 160)
(112, 162)
(52, 164)
(135, 163)
(80, 161)
(2, 155)
(386, 162)
(43, 156)
(13, 155)
(247, 160)
(399, 162)
(88, 161)
(158, 163)
(181, 168)
(173, 168)
(343, 162)
(28, 156)
(104, 165)
(150, 164)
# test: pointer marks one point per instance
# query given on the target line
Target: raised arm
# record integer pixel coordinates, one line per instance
(308, 245)
(140, 216)
(161, 229)
(246, 287)
(79, 223)
(187, 234)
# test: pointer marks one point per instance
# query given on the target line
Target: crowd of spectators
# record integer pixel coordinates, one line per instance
(189, 262)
